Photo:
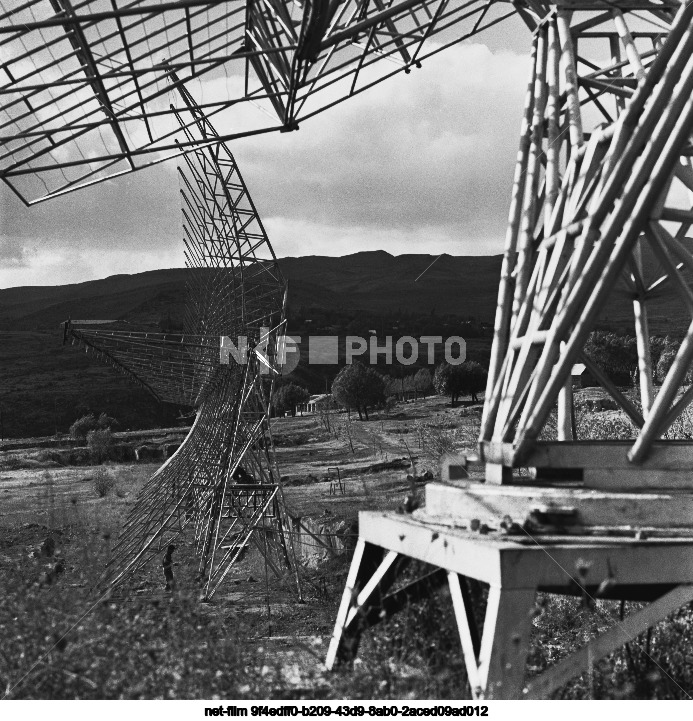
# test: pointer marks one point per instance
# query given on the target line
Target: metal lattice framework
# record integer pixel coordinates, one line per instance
(96, 88)
(601, 204)
(223, 480)
(90, 92)
(86, 91)
(601, 207)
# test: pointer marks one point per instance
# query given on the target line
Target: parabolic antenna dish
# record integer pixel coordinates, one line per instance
(86, 85)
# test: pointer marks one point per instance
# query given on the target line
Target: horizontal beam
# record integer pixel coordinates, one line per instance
(369, 22)
(528, 562)
(459, 504)
(665, 455)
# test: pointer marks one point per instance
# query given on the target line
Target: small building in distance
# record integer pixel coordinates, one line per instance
(581, 377)
(312, 405)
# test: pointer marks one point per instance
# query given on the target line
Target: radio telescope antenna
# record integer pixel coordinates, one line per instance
(223, 480)
(86, 86)
(84, 83)
(600, 206)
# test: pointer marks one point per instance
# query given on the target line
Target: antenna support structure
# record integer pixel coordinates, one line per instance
(601, 207)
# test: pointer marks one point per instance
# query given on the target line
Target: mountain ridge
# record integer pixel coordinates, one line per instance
(369, 280)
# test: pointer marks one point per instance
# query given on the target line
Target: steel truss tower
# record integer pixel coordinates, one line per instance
(223, 480)
(601, 208)
(601, 205)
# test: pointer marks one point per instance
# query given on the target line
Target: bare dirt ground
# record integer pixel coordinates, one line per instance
(286, 638)
(254, 639)
(307, 456)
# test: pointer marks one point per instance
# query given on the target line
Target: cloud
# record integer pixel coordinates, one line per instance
(420, 163)
(432, 149)
(14, 254)
(64, 266)
(291, 237)
(128, 212)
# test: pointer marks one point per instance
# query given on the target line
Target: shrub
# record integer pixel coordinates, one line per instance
(105, 421)
(81, 427)
(615, 354)
(604, 426)
(441, 434)
(99, 442)
(103, 482)
(11, 463)
(390, 404)
(682, 428)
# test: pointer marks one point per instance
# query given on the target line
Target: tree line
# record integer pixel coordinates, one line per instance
(617, 356)
(359, 387)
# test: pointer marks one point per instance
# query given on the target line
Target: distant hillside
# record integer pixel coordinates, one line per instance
(377, 281)
(45, 386)
(374, 281)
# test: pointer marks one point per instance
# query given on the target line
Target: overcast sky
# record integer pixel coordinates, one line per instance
(422, 163)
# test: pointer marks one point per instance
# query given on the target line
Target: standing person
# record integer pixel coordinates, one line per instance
(167, 564)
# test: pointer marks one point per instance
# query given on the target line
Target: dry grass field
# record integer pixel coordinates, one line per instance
(254, 639)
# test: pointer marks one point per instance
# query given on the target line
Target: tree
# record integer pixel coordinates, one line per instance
(327, 409)
(615, 354)
(359, 387)
(474, 377)
(392, 386)
(447, 380)
(468, 378)
(287, 397)
(81, 427)
(99, 441)
(403, 385)
(423, 381)
(408, 385)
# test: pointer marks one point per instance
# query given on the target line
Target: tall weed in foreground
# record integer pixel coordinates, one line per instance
(62, 641)
(416, 654)
(141, 648)
(655, 665)
(103, 482)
